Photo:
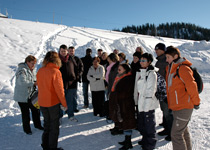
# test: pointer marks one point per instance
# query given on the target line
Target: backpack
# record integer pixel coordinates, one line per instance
(196, 76)
(161, 87)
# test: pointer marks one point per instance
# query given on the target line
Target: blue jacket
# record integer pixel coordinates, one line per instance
(24, 82)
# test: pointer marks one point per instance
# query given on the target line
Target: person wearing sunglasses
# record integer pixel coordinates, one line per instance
(144, 96)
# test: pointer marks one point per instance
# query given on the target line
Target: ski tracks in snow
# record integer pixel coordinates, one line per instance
(46, 45)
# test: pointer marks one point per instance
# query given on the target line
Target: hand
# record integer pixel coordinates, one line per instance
(196, 107)
(63, 108)
(70, 82)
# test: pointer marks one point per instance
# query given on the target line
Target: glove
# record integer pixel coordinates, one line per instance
(97, 78)
(196, 107)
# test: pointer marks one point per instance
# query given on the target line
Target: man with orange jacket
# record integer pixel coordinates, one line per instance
(182, 97)
(51, 94)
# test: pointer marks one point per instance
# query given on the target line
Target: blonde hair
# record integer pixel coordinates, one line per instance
(52, 57)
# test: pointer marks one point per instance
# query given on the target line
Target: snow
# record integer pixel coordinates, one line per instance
(21, 38)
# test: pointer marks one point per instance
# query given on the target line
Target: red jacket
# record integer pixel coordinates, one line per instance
(182, 92)
(50, 85)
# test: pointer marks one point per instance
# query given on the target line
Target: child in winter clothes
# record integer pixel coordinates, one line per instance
(182, 97)
(144, 95)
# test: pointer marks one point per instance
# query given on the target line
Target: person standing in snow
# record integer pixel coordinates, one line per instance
(135, 64)
(112, 71)
(161, 63)
(122, 107)
(68, 76)
(51, 94)
(99, 52)
(24, 84)
(96, 75)
(78, 70)
(104, 61)
(87, 62)
(182, 96)
(144, 96)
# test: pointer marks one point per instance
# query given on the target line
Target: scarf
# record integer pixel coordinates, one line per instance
(64, 59)
(118, 78)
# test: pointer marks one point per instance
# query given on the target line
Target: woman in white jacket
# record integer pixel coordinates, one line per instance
(144, 95)
(96, 76)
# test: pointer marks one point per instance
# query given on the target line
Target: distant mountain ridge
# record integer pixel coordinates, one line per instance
(173, 30)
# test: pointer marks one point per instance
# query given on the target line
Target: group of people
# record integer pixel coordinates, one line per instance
(133, 90)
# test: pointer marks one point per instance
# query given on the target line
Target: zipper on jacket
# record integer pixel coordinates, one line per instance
(176, 98)
(189, 99)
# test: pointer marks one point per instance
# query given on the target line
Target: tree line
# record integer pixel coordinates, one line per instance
(173, 30)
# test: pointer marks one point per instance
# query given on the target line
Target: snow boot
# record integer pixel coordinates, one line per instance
(126, 143)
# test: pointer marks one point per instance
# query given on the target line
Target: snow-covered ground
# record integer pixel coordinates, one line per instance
(21, 38)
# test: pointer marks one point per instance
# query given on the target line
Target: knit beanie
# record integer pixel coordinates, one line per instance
(160, 46)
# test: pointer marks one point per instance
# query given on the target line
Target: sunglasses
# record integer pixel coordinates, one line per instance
(143, 60)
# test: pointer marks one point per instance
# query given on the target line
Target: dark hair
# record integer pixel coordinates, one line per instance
(100, 50)
(51, 57)
(173, 51)
(148, 56)
(88, 50)
(96, 58)
(30, 58)
(71, 47)
(63, 47)
(113, 57)
(126, 67)
(137, 54)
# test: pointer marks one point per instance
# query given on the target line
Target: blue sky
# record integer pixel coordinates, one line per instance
(109, 14)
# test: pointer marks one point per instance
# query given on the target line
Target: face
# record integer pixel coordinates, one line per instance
(138, 49)
(135, 59)
(170, 58)
(99, 53)
(120, 70)
(144, 63)
(109, 60)
(121, 59)
(104, 56)
(71, 52)
(31, 64)
(159, 52)
(115, 51)
(95, 63)
(63, 52)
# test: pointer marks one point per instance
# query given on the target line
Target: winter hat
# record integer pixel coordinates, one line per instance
(160, 46)
(137, 54)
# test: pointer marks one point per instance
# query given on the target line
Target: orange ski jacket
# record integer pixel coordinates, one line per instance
(182, 92)
(50, 86)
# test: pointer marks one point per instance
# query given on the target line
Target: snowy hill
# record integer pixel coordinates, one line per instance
(21, 38)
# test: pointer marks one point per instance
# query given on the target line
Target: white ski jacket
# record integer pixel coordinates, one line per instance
(96, 78)
(144, 91)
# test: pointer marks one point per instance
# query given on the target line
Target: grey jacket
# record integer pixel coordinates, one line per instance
(24, 82)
